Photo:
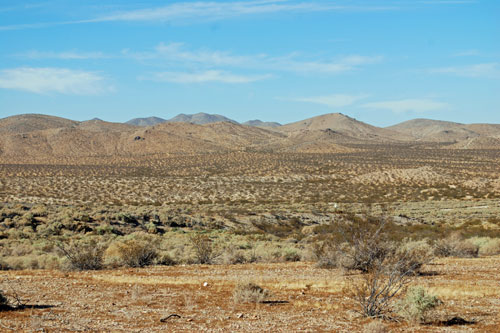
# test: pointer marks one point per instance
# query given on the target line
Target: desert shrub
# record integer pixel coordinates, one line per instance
(165, 260)
(412, 255)
(249, 292)
(324, 253)
(232, 256)
(385, 280)
(487, 246)
(291, 255)
(132, 253)
(83, 255)
(203, 248)
(416, 304)
(4, 302)
(456, 246)
(4, 266)
(376, 326)
(375, 291)
(356, 245)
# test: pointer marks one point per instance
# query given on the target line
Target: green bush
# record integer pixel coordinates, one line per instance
(417, 304)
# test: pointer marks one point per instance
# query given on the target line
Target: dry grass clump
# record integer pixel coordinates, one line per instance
(249, 292)
(456, 246)
(376, 326)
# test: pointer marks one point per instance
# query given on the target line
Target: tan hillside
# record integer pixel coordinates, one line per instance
(33, 122)
(482, 142)
(345, 125)
(444, 131)
(99, 138)
(492, 130)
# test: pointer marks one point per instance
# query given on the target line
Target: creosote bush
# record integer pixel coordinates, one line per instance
(365, 247)
(83, 255)
(416, 304)
(249, 292)
(376, 289)
(456, 246)
(133, 253)
(203, 248)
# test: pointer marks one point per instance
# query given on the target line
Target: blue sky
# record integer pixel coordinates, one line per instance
(379, 61)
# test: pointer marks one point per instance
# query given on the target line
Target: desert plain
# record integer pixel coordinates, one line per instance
(120, 227)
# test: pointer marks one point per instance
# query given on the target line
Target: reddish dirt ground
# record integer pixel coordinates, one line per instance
(304, 298)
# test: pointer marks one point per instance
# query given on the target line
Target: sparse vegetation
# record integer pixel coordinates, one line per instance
(83, 255)
(204, 249)
(456, 246)
(417, 304)
(273, 210)
(249, 292)
(133, 253)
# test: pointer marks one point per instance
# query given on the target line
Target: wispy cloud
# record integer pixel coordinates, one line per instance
(67, 55)
(408, 105)
(204, 76)
(179, 54)
(467, 53)
(58, 80)
(487, 70)
(447, 2)
(211, 11)
(332, 101)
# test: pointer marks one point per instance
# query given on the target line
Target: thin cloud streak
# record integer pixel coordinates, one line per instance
(407, 105)
(176, 53)
(53, 80)
(67, 55)
(332, 101)
(203, 11)
(486, 70)
(204, 77)
(212, 11)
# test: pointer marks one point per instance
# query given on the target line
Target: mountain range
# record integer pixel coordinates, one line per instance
(198, 119)
(35, 137)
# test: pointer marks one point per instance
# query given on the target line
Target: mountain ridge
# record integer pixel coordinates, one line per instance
(35, 137)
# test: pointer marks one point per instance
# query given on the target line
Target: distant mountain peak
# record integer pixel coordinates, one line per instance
(148, 121)
(260, 123)
(200, 118)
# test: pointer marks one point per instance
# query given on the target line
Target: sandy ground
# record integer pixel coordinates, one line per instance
(304, 298)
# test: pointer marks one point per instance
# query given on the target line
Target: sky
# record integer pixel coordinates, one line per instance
(379, 61)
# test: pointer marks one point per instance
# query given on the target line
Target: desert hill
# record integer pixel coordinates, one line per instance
(345, 125)
(100, 138)
(25, 123)
(149, 121)
(260, 123)
(462, 136)
(199, 118)
(434, 130)
(36, 138)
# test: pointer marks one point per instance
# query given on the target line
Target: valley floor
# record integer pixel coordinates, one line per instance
(303, 298)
